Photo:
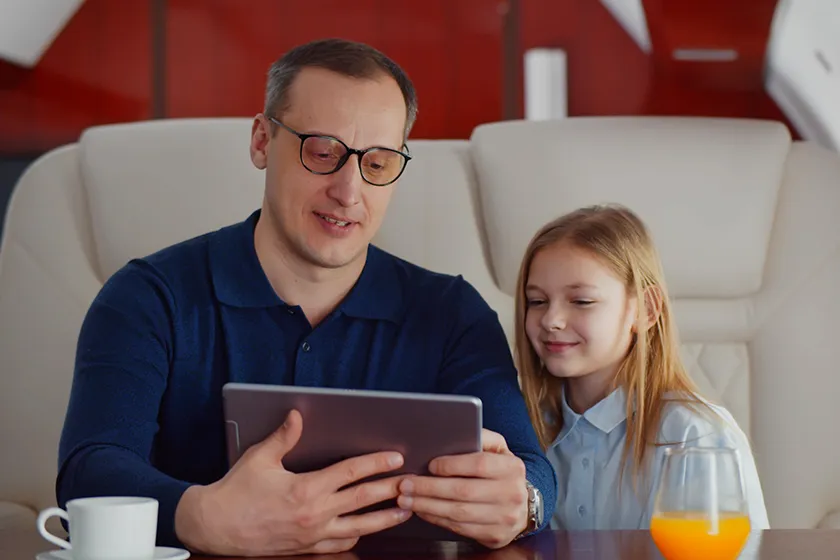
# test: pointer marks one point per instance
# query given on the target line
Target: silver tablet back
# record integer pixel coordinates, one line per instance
(339, 424)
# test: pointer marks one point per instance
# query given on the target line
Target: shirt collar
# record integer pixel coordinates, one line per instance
(378, 293)
(606, 415)
(239, 280)
(238, 277)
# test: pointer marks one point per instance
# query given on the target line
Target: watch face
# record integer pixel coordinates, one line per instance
(537, 506)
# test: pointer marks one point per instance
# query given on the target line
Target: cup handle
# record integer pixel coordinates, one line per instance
(42, 525)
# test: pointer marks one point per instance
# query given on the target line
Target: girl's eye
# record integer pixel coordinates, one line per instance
(534, 302)
(583, 302)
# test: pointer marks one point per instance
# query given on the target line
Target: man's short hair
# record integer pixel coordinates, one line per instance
(348, 58)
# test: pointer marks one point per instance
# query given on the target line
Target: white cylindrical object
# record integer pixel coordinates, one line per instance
(545, 84)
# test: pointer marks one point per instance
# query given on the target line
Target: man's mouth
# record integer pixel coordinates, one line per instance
(332, 220)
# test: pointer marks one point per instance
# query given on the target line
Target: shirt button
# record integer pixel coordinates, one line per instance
(581, 511)
(305, 347)
(585, 462)
(290, 311)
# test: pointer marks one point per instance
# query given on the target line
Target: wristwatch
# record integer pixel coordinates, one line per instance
(536, 511)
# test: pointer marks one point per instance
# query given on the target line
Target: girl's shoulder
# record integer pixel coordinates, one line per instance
(693, 420)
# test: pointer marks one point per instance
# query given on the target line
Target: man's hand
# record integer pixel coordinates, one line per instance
(261, 509)
(482, 495)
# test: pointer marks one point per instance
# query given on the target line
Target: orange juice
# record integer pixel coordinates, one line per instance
(686, 535)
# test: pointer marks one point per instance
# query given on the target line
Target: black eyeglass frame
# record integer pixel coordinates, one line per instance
(349, 152)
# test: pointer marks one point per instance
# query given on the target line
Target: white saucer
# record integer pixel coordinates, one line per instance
(161, 553)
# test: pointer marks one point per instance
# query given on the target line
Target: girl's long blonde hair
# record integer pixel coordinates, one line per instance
(652, 367)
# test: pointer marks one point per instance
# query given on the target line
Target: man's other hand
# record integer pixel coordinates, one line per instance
(481, 495)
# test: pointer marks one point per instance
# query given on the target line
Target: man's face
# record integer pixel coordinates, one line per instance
(327, 221)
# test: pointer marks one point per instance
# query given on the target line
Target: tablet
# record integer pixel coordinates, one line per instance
(343, 423)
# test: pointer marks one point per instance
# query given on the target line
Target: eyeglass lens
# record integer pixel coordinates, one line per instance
(323, 154)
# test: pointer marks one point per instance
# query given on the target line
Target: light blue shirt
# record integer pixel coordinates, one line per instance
(587, 459)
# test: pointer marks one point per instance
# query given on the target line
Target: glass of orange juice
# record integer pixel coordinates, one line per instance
(700, 509)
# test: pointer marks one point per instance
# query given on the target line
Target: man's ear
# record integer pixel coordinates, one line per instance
(653, 306)
(260, 138)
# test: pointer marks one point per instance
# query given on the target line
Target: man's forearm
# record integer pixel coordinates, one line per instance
(115, 471)
(540, 473)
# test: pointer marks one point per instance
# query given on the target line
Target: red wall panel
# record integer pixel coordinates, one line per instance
(218, 53)
(100, 68)
(97, 71)
(608, 74)
(712, 24)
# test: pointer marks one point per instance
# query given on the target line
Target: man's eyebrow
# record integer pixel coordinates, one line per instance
(319, 133)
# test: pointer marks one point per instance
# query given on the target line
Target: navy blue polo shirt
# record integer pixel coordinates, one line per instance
(166, 332)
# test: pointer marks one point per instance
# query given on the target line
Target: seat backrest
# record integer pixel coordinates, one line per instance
(746, 224)
(434, 220)
(48, 277)
(76, 216)
(81, 212)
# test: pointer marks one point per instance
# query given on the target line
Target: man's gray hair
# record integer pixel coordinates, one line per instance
(348, 58)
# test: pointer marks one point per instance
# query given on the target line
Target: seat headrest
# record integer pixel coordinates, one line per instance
(156, 183)
(706, 188)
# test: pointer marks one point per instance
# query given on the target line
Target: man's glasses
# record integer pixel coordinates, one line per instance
(323, 155)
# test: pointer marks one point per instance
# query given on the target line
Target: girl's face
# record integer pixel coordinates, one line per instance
(579, 318)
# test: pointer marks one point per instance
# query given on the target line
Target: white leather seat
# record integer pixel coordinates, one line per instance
(745, 220)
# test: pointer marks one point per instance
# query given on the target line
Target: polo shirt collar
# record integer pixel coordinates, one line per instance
(239, 280)
(238, 277)
(378, 293)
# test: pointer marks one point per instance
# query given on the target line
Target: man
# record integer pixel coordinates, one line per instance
(296, 294)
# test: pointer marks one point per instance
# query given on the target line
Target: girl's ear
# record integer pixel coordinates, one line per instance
(652, 308)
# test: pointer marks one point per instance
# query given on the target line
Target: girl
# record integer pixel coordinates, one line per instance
(598, 355)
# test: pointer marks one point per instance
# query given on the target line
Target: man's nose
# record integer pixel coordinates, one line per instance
(346, 185)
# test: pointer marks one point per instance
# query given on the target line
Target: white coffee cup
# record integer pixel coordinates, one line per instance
(106, 528)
